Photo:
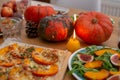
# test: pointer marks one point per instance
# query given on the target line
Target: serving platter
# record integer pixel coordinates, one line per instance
(63, 58)
(73, 60)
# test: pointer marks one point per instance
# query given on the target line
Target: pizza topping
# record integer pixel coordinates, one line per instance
(20, 74)
(27, 63)
(48, 71)
(3, 72)
(30, 49)
(26, 53)
(46, 57)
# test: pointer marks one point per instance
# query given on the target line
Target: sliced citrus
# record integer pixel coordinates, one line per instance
(46, 71)
(46, 57)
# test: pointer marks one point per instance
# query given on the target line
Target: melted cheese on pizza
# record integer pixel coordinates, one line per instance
(17, 63)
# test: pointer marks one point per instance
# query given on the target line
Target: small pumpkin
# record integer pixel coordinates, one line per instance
(55, 28)
(93, 27)
(36, 13)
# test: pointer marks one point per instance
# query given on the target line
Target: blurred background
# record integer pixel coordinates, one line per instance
(110, 7)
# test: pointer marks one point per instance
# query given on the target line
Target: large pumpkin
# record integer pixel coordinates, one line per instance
(55, 28)
(93, 27)
(36, 13)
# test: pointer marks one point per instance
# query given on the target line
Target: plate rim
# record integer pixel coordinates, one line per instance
(70, 60)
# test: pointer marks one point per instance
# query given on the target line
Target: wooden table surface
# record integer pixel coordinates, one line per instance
(112, 42)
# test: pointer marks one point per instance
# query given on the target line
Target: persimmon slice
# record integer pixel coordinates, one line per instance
(10, 63)
(46, 71)
(6, 64)
(102, 51)
(6, 49)
(39, 69)
(45, 57)
(94, 64)
(101, 75)
(114, 72)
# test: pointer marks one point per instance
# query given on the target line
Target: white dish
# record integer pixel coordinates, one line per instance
(57, 8)
(73, 57)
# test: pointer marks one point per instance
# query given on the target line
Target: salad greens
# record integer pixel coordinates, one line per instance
(78, 66)
(106, 59)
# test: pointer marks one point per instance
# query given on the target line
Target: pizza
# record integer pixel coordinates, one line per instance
(25, 62)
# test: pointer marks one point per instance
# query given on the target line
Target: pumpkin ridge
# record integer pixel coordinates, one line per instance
(93, 27)
(106, 29)
(39, 12)
(47, 10)
(94, 34)
(36, 13)
(101, 33)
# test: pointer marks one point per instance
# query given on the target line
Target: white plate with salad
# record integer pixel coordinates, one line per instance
(95, 63)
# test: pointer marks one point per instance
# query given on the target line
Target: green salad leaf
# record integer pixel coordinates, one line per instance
(106, 59)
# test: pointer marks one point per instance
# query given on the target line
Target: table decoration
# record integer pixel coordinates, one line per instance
(39, 12)
(73, 43)
(93, 27)
(33, 15)
(55, 28)
(57, 8)
(8, 8)
(33, 21)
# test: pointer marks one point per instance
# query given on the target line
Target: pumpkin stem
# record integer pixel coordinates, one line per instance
(94, 20)
(38, 4)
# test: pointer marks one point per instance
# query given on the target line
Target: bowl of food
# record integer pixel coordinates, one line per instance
(10, 27)
(94, 63)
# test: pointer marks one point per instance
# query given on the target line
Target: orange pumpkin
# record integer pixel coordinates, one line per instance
(36, 13)
(93, 27)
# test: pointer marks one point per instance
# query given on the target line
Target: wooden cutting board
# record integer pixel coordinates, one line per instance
(63, 56)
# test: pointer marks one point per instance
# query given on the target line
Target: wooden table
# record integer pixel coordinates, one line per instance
(112, 42)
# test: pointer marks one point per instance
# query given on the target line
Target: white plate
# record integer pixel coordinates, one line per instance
(57, 8)
(82, 50)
